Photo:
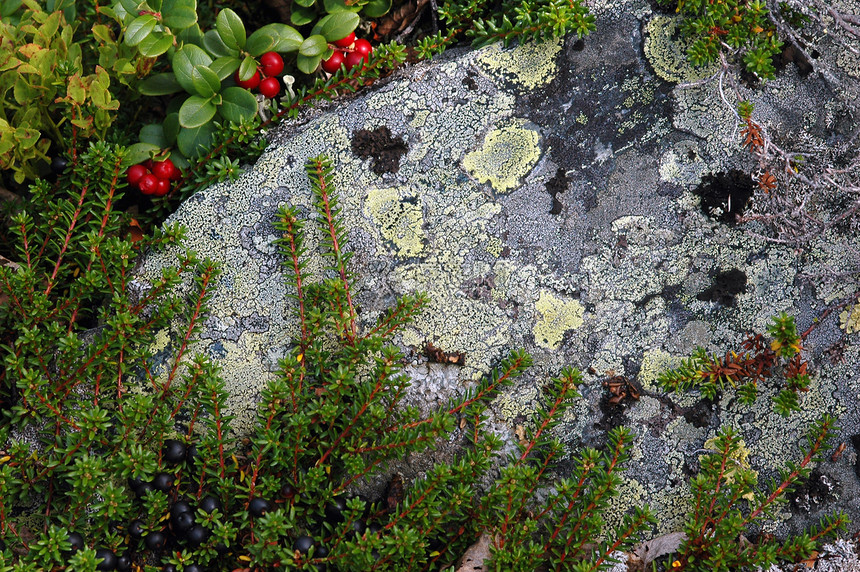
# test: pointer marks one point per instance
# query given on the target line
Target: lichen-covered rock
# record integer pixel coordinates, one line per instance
(544, 196)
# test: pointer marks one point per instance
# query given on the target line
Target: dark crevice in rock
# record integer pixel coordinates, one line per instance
(704, 413)
(556, 185)
(378, 145)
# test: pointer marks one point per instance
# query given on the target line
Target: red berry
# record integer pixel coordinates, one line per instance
(147, 164)
(270, 87)
(135, 173)
(164, 169)
(148, 184)
(363, 47)
(332, 64)
(346, 42)
(271, 63)
(355, 58)
(249, 83)
(162, 188)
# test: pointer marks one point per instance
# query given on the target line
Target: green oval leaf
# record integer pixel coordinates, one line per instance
(171, 128)
(336, 26)
(224, 67)
(238, 104)
(184, 61)
(230, 28)
(301, 16)
(335, 6)
(155, 44)
(212, 42)
(305, 3)
(179, 14)
(289, 39)
(261, 41)
(191, 35)
(140, 152)
(247, 68)
(153, 133)
(195, 141)
(159, 84)
(139, 29)
(206, 82)
(315, 45)
(196, 111)
(308, 64)
(376, 8)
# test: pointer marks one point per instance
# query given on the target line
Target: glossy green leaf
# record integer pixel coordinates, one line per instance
(224, 67)
(376, 8)
(336, 26)
(196, 111)
(139, 29)
(191, 35)
(230, 28)
(155, 44)
(213, 43)
(196, 141)
(238, 104)
(206, 82)
(140, 152)
(171, 128)
(315, 45)
(261, 41)
(179, 14)
(153, 133)
(308, 64)
(247, 68)
(289, 39)
(305, 3)
(184, 61)
(159, 84)
(301, 16)
(336, 6)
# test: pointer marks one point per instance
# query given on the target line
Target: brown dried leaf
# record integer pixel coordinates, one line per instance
(520, 432)
(655, 548)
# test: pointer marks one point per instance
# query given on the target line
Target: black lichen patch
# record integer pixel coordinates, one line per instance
(725, 195)
(703, 413)
(725, 286)
(556, 185)
(814, 493)
(378, 145)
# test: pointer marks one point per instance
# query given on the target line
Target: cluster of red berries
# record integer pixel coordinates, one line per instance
(265, 76)
(355, 52)
(153, 177)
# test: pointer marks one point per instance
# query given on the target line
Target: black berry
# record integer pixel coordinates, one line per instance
(168, 568)
(179, 507)
(303, 544)
(155, 540)
(108, 559)
(320, 551)
(123, 563)
(174, 451)
(334, 510)
(288, 491)
(143, 489)
(58, 165)
(209, 504)
(182, 522)
(197, 535)
(191, 454)
(258, 507)
(193, 568)
(76, 540)
(135, 529)
(359, 526)
(163, 481)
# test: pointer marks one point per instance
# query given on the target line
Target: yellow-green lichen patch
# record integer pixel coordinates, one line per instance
(667, 54)
(529, 65)
(494, 246)
(739, 460)
(506, 155)
(555, 317)
(398, 219)
(849, 319)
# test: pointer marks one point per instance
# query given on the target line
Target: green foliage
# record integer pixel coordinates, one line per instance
(725, 484)
(744, 371)
(739, 29)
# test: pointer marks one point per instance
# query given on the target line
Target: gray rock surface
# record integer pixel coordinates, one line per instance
(545, 199)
